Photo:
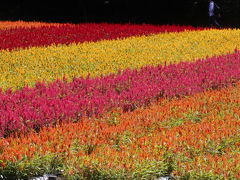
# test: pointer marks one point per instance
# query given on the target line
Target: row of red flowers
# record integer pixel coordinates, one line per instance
(68, 33)
(62, 101)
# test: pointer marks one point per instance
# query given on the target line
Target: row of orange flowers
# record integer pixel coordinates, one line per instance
(26, 24)
(193, 137)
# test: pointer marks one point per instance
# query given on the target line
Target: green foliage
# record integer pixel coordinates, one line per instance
(113, 119)
(27, 168)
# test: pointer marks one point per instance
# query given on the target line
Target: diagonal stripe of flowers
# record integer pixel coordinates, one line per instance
(61, 101)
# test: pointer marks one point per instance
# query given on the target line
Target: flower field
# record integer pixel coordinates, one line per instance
(119, 101)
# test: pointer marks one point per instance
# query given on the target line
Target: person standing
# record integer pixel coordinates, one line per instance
(211, 12)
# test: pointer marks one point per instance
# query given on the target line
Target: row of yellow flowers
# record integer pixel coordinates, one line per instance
(26, 66)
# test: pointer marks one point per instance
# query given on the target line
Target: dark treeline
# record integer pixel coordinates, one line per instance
(187, 12)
